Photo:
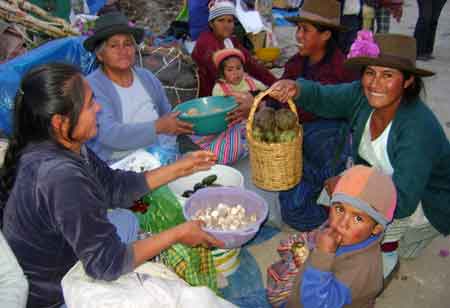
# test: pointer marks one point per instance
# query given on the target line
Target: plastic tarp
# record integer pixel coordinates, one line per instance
(67, 50)
(95, 5)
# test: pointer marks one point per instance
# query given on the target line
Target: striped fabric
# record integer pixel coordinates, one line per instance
(220, 9)
(229, 146)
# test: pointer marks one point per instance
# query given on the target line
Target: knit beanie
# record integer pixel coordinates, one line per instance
(219, 8)
(369, 190)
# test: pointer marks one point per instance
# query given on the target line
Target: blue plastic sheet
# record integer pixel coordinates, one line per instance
(245, 287)
(67, 50)
(95, 6)
(280, 15)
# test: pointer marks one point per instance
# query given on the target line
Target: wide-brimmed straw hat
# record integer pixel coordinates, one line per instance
(223, 54)
(324, 13)
(394, 50)
(109, 24)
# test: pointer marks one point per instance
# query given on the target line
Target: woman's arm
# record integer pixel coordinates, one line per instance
(327, 101)
(13, 283)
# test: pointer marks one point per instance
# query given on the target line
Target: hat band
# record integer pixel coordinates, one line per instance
(316, 17)
(403, 61)
(363, 206)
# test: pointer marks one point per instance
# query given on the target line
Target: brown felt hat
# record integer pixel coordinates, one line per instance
(396, 51)
(325, 13)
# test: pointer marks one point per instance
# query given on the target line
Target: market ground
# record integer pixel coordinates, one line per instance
(423, 282)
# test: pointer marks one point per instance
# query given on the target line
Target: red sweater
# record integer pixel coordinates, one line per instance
(328, 71)
(202, 54)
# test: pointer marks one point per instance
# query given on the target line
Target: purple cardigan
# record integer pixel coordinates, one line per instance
(56, 215)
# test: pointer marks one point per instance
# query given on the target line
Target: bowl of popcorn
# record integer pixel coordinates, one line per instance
(231, 214)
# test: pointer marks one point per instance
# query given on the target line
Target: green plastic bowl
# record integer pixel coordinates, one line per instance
(208, 121)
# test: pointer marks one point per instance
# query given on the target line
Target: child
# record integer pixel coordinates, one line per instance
(232, 77)
(345, 267)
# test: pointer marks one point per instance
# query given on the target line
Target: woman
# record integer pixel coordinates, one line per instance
(394, 131)
(221, 25)
(135, 109)
(426, 26)
(60, 191)
(318, 59)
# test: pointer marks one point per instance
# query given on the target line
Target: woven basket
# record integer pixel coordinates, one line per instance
(274, 166)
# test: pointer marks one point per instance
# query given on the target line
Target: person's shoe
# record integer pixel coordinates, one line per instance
(391, 265)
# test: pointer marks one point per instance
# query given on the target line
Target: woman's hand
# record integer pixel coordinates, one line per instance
(192, 234)
(190, 163)
(169, 124)
(328, 240)
(241, 112)
(330, 184)
(193, 162)
(284, 89)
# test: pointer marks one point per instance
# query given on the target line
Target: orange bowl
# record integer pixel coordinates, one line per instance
(268, 54)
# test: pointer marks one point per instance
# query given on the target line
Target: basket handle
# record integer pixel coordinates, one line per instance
(256, 103)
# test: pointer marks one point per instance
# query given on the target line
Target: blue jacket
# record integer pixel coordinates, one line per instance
(56, 214)
(113, 135)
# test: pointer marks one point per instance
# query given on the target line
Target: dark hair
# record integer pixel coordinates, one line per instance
(222, 65)
(411, 93)
(44, 91)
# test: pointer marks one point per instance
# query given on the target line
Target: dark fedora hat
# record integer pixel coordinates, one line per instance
(110, 24)
(396, 51)
(325, 13)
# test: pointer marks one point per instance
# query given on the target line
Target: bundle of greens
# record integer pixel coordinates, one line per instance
(275, 126)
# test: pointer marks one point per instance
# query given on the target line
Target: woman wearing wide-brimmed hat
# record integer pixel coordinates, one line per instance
(135, 109)
(393, 130)
(318, 59)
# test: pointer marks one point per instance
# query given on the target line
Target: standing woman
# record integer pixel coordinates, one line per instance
(60, 192)
(318, 59)
(394, 131)
(219, 36)
(426, 26)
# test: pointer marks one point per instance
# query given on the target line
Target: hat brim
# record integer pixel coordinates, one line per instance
(297, 19)
(360, 62)
(91, 42)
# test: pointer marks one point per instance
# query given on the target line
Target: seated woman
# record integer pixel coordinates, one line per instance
(59, 191)
(392, 130)
(325, 141)
(219, 36)
(135, 109)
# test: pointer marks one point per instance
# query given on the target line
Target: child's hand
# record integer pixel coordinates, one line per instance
(328, 240)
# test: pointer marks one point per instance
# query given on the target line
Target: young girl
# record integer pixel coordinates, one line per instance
(231, 145)
(232, 77)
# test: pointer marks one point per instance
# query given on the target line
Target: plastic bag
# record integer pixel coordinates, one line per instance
(150, 285)
(67, 50)
(193, 264)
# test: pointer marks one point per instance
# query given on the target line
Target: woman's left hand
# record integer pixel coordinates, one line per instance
(195, 161)
(241, 112)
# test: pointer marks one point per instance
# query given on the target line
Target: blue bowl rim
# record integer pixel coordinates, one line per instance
(225, 110)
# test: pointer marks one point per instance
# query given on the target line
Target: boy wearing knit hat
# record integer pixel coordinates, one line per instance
(345, 268)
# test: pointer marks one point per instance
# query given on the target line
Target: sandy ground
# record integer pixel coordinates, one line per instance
(422, 282)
